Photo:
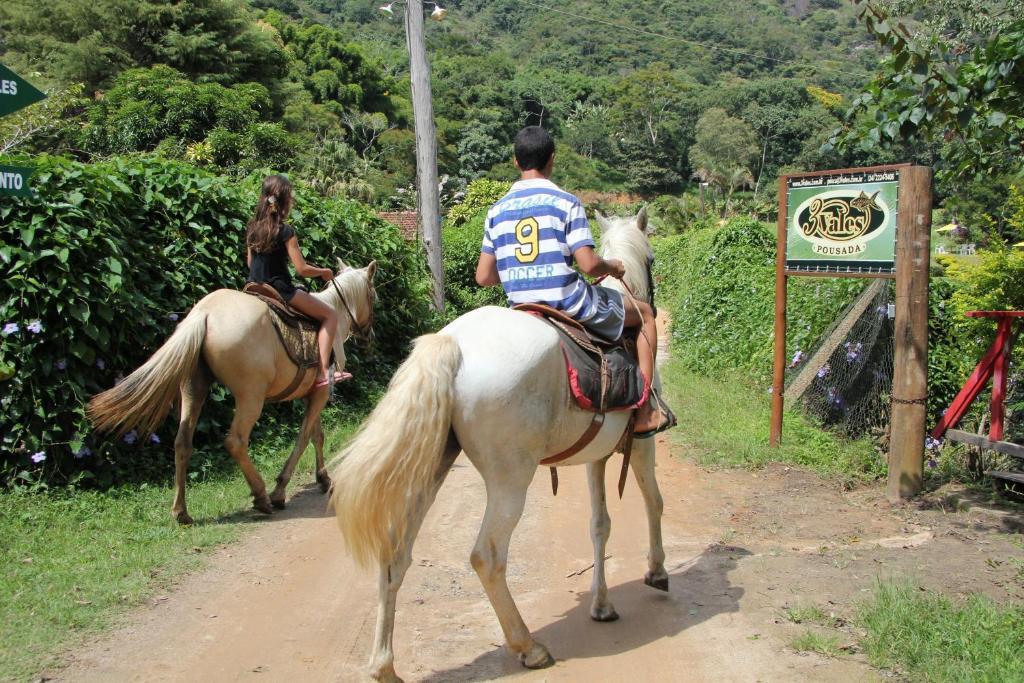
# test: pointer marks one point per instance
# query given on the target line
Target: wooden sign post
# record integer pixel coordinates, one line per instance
(865, 222)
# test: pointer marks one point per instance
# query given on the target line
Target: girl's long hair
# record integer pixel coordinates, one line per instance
(271, 210)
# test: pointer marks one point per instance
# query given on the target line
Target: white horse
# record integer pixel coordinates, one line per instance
(492, 384)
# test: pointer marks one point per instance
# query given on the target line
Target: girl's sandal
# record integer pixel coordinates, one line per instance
(339, 376)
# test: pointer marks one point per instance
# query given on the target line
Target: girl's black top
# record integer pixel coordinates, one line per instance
(271, 266)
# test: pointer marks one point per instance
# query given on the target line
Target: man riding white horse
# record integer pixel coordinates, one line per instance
(531, 238)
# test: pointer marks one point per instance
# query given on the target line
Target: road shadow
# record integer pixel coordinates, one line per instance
(305, 502)
(699, 589)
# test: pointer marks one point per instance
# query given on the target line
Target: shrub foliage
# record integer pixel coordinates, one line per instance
(99, 264)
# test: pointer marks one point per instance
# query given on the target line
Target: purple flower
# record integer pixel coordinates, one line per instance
(38, 457)
(932, 464)
(35, 327)
(823, 370)
(173, 317)
(10, 328)
(83, 452)
(154, 438)
(797, 357)
(130, 437)
(62, 364)
(101, 364)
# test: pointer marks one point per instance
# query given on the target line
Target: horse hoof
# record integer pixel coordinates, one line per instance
(538, 657)
(324, 481)
(606, 613)
(659, 582)
(183, 519)
(386, 674)
(263, 505)
(278, 504)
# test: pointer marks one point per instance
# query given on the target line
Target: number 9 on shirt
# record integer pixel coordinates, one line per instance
(528, 236)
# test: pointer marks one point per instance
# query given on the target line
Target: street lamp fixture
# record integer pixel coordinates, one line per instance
(438, 14)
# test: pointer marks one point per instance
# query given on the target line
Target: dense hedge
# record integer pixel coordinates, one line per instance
(97, 266)
(719, 283)
(720, 286)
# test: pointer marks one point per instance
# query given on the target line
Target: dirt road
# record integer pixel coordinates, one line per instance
(286, 603)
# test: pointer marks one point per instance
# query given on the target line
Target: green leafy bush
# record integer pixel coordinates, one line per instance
(97, 266)
(480, 194)
(461, 253)
(720, 284)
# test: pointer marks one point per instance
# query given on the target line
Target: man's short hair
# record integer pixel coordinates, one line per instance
(533, 147)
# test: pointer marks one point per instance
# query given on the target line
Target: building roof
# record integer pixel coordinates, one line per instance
(407, 222)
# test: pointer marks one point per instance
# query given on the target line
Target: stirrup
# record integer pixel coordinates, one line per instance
(667, 422)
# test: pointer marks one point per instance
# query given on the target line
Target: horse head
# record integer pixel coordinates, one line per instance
(625, 238)
(358, 297)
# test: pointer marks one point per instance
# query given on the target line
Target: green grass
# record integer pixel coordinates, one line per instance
(810, 614)
(724, 421)
(928, 637)
(822, 643)
(74, 561)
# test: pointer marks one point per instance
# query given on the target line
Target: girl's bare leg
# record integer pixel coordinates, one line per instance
(328, 318)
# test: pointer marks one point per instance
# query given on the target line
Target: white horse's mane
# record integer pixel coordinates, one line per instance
(622, 239)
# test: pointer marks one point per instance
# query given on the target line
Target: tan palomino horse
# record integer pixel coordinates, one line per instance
(232, 334)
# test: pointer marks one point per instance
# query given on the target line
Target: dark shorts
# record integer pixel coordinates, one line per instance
(284, 286)
(610, 318)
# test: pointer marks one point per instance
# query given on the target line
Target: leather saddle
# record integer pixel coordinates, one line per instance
(272, 298)
(296, 331)
(604, 376)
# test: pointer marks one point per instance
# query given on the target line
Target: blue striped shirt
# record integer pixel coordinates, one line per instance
(533, 231)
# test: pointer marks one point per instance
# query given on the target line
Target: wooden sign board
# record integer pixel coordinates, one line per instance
(865, 222)
(842, 222)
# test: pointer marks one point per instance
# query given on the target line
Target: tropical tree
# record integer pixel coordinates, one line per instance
(723, 153)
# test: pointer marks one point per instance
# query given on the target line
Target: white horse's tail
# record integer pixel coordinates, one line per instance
(381, 476)
(142, 399)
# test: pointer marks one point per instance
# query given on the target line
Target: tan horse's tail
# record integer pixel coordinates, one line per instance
(393, 460)
(142, 399)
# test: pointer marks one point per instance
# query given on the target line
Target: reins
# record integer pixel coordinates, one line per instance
(363, 329)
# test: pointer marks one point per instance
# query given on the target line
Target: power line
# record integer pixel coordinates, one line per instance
(637, 29)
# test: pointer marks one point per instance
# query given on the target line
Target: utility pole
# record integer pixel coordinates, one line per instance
(429, 202)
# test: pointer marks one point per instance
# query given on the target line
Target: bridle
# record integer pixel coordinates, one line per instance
(365, 329)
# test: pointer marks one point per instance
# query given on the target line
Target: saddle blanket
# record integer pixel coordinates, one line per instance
(608, 380)
(297, 334)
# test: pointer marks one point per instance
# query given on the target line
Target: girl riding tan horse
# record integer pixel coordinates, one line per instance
(229, 337)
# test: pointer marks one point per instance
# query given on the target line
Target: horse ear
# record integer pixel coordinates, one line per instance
(601, 220)
(641, 220)
(370, 270)
(341, 265)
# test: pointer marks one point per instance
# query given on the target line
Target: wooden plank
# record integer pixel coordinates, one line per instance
(1004, 447)
(804, 273)
(840, 171)
(803, 380)
(1015, 477)
(910, 336)
(779, 361)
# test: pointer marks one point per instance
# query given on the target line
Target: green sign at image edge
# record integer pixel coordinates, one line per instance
(15, 92)
(14, 181)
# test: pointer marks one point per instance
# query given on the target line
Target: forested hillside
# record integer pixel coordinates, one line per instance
(320, 89)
